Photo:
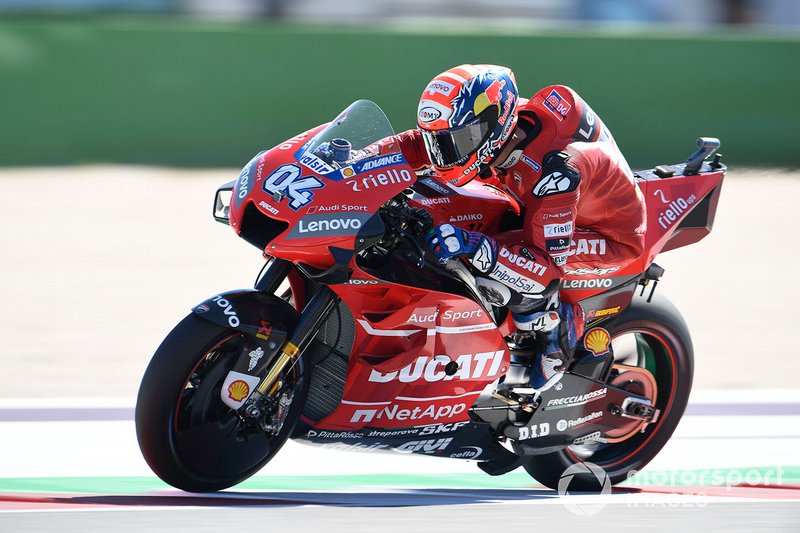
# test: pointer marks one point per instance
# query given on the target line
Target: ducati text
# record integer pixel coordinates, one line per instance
(432, 369)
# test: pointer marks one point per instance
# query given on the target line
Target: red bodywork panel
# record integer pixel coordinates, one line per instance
(321, 209)
(397, 374)
(421, 356)
(669, 202)
(474, 207)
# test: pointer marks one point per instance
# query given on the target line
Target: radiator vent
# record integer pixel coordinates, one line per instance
(329, 355)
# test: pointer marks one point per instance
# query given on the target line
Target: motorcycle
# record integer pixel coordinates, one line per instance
(354, 337)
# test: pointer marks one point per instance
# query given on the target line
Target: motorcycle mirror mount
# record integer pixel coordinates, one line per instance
(222, 203)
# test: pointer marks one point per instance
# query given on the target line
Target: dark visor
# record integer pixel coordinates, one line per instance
(453, 147)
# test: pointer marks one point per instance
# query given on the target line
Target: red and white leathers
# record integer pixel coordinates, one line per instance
(583, 215)
(583, 212)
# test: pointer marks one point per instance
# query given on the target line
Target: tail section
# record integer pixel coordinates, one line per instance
(681, 201)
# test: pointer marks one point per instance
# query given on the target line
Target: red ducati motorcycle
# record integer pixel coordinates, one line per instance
(355, 336)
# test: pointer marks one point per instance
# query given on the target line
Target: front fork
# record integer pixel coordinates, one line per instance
(313, 315)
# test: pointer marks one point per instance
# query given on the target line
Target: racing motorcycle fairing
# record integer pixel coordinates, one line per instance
(468, 439)
(421, 363)
(423, 352)
(387, 349)
(475, 206)
(313, 201)
(680, 211)
(419, 357)
(296, 202)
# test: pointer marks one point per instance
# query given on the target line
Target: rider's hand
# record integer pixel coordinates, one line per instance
(422, 222)
(447, 241)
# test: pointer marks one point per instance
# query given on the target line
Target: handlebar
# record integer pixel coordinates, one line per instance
(406, 223)
(403, 224)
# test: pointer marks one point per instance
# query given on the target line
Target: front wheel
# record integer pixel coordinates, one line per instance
(653, 337)
(186, 434)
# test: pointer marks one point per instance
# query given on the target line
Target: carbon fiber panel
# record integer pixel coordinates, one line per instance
(329, 355)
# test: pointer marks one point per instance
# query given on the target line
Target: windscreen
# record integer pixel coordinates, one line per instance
(358, 126)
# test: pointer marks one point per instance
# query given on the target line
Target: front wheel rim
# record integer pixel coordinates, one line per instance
(211, 440)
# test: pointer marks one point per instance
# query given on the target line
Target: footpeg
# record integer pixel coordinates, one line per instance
(499, 410)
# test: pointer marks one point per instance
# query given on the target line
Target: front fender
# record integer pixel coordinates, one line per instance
(257, 314)
(266, 320)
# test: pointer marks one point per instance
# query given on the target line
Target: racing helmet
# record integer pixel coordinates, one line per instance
(466, 114)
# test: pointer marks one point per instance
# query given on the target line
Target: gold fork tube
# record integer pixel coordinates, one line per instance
(288, 354)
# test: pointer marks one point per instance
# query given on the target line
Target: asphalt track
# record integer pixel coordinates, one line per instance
(101, 261)
(74, 464)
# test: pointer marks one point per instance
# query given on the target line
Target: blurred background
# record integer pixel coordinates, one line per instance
(206, 83)
(119, 118)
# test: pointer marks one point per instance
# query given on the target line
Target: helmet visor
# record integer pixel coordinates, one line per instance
(453, 147)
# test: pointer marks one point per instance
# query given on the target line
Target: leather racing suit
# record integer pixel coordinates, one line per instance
(583, 212)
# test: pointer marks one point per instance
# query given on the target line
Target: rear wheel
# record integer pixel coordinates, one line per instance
(187, 435)
(654, 357)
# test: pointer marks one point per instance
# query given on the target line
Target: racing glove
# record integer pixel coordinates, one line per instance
(447, 241)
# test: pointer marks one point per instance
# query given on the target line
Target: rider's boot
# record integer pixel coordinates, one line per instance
(557, 330)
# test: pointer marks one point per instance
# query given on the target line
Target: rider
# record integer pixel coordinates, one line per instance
(583, 212)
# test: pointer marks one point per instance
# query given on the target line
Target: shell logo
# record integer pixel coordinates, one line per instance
(597, 341)
(348, 172)
(238, 390)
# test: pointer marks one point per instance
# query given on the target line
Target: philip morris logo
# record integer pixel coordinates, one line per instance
(328, 225)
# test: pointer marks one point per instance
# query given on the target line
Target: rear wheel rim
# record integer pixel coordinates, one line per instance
(656, 354)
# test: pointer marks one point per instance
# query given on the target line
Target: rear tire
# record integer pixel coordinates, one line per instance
(663, 340)
(186, 434)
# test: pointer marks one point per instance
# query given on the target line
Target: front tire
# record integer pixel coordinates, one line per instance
(663, 346)
(192, 440)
